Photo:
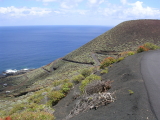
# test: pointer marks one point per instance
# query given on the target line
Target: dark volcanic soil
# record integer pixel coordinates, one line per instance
(126, 76)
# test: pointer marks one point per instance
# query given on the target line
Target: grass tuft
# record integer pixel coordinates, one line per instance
(32, 116)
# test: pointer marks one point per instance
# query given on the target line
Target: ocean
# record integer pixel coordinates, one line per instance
(29, 47)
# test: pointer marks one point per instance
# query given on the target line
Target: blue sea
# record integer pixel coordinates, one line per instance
(35, 46)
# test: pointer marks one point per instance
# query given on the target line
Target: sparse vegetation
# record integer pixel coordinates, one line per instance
(142, 49)
(77, 79)
(130, 53)
(151, 46)
(54, 97)
(86, 81)
(36, 98)
(147, 46)
(130, 92)
(66, 87)
(112, 40)
(120, 59)
(86, 72)
(59, 82)
(104, 71)
(97, 86)
(33, 116)
(17, 108)
(107, 61)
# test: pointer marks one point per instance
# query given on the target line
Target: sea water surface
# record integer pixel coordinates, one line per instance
(34, 46)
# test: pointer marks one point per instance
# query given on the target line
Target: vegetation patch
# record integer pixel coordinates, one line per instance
(59, 82)
(130, 92)
(107, 61)
(130, 53)
(87, 80)
(97, 86)
(77, 79)
(151, 46)
(86, 72)
(104, 71)
(17, 108)
(127, 53)
(32, 116)
(66, 87)
(147, 46)
(55, 97)
(142, 49)
(120, 59)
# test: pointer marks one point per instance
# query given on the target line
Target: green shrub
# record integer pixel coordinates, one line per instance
(130, 53)
(147, 46)
(29, 107)
(54, 97)
(59, 82)
(151, 46)
(93, 77)
(142, 49)
(107, 61)
(78, 78)
(86, 81)
(66, 87)
(86, 72)
(120, 59)
(130, 92)
(104, 71)
(36, 98)
(33, 107)
(33, 116)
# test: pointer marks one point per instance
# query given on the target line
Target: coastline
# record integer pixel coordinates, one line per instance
(11, 72)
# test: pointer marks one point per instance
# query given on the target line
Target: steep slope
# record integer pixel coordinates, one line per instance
(125, 36)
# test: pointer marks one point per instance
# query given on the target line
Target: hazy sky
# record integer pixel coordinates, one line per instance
(76, 12)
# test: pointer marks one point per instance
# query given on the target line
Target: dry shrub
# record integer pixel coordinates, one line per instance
(90, 102)
(95, 97)
(97, 86)
(86, 81)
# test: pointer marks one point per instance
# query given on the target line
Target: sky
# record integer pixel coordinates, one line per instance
(76, 12)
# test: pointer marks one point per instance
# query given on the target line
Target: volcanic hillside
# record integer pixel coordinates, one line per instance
(34, 86)
(125, 36)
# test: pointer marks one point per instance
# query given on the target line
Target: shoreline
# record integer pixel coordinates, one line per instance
(13, 72)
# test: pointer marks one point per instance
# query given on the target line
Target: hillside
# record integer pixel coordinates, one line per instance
(126, 36)
(126, 75)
